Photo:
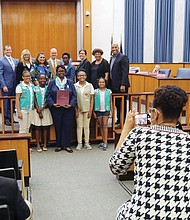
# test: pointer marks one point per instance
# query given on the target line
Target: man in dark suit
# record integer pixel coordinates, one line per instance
(7, 80)
(119, 70)
(10, 195)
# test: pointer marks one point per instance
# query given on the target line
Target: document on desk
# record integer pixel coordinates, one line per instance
(63, 97)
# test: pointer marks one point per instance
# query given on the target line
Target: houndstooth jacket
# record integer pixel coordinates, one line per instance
(161, 176)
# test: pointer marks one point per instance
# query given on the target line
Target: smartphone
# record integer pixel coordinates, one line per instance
(142, 119)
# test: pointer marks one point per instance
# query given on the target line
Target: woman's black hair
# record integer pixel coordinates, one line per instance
(170, 99)
(67, 54)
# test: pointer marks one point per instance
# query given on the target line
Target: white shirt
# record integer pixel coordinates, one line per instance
(19, 90)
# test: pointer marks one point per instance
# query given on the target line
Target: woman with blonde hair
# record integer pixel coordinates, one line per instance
(24, 64)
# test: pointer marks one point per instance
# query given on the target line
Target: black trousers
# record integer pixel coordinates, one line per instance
(118, 106)
(63, 122)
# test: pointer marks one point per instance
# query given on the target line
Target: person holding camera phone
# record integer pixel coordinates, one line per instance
(161, 159)
(42, 116)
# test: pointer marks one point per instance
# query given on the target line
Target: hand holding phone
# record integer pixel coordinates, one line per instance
(142, 119)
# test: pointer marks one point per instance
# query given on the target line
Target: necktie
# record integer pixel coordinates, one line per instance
(54, 66)
(12, 63)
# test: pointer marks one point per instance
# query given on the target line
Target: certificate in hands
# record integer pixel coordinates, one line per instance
(63, 97)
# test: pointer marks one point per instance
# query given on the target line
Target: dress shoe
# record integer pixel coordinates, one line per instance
(58, 149)
(68, 149)
(15, 122)
(8, 123)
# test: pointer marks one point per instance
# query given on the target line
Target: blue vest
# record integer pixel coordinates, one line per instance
(38, 93)
(25, 97)
(97, 99)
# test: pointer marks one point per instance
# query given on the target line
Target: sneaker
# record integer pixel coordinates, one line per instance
(79, 147)
(88, 146)
(101, 145)
(105, 146)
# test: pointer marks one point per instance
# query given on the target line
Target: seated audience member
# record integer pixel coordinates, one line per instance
(161, 156)
(157, 70)
(19, 208)
(70, 69)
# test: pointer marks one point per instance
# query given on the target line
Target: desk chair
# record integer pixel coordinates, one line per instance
(166, 71)
(4, 212)
(183, 73)
(8, 159)
(10, 173)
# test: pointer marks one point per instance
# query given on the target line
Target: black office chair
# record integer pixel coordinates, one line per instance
(8, 159)
(10, 173)
(166, 71)
(4, 212)
(183, 73)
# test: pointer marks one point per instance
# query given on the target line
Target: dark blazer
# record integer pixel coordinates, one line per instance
(20, 68)
(7, 74)
(119, 72)
(70, 72)
(85, 64)
(51, 93)
(10, 195)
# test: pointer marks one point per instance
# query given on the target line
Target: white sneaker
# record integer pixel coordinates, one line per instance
(88, 146)
(79, 147)
(105, 146)
(100, 145)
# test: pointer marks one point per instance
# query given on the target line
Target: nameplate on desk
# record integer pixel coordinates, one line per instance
(63, 97)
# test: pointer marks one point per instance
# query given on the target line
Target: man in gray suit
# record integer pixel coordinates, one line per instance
(53, 62)
(8, 80)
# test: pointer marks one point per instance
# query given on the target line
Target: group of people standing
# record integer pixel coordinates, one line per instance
(39, 80)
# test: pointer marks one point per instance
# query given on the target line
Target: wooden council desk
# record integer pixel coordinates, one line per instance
(148, 83)
(20, 142)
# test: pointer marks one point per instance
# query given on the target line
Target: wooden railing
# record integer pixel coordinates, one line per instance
(139, 101)
(12, 100)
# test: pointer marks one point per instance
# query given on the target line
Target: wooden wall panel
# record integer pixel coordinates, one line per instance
(39, 26)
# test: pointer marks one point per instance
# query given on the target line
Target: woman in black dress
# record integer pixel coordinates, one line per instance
(99, 67)
(24, 64)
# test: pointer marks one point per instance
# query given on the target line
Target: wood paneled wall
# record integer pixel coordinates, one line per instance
(39, 26)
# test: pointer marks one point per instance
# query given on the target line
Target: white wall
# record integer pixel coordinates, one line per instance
(108, 19)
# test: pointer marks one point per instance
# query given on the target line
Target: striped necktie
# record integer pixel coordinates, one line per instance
(12, 63)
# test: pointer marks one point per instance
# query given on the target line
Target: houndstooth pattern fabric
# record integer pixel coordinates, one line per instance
(161, 176)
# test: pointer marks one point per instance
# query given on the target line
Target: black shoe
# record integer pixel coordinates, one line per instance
(15, 122)
(8, 123)
(117, 122)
